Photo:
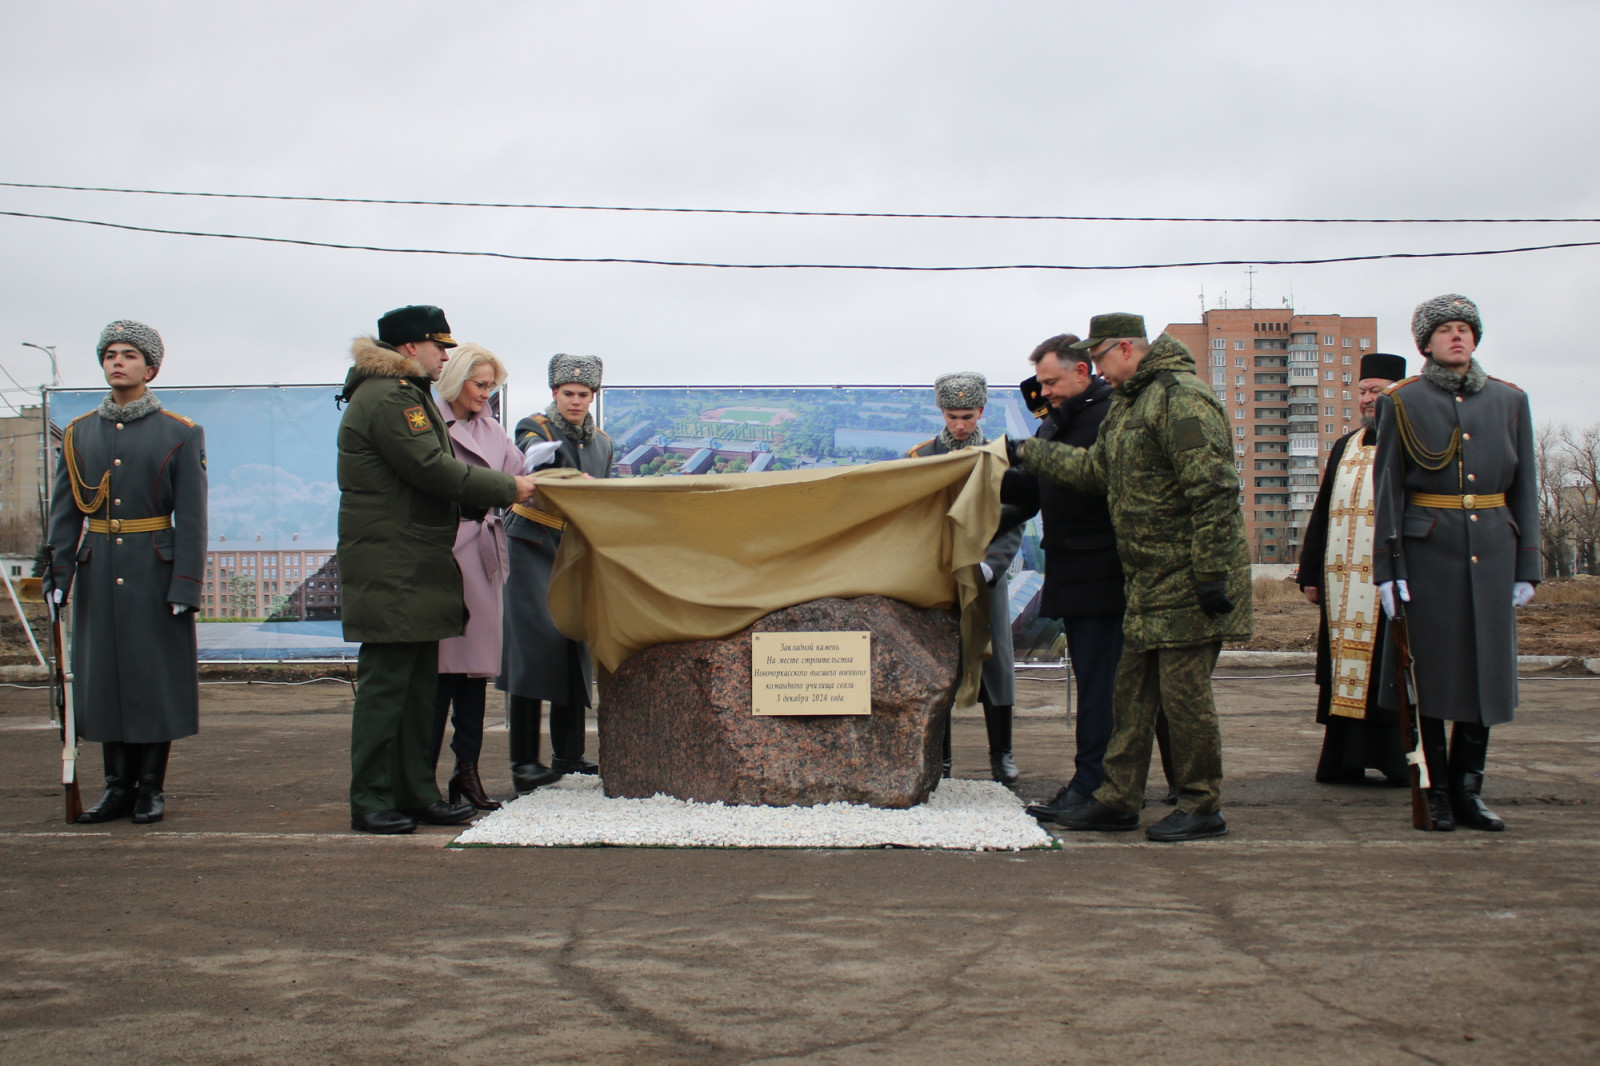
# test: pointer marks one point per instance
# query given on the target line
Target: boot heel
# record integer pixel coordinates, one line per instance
(455, 791)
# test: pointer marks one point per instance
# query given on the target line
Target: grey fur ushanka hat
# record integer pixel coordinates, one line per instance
(960, 391)
(576, 370)
(141, 336)
(1451, 307)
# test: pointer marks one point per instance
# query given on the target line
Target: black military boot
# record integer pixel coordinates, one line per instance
(997, 722)
(566, 740)
(1469, 748)
(527, 772)
(1433, 752)
(151, 804)
(118, 799)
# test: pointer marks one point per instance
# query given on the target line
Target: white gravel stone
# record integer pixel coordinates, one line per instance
(961, 814)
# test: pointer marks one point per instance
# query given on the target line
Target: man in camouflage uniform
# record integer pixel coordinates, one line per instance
(1164, 459)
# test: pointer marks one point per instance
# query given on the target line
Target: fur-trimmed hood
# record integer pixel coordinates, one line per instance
(374, 359)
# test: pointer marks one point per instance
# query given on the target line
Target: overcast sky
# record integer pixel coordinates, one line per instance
(1391, 110)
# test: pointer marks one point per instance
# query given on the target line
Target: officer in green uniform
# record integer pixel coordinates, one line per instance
(1164, 459)
(400, 493)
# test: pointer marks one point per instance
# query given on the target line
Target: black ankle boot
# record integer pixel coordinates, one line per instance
(997, 723)
(118, 799)
(527, 772)
(1439, 807)
(151, 803)
(1469, 808)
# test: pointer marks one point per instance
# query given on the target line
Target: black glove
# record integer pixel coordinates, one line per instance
(1013, 451)
(1213, 597)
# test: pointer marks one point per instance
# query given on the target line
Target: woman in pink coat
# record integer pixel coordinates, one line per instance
(467, 662)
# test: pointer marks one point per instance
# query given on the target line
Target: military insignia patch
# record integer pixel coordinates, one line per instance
(1187, 433)
(417, 419)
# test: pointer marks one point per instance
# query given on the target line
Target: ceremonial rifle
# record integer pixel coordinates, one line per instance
(1410, 725)
(61, 685)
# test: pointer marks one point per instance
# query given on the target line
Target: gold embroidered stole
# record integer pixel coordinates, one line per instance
(1351, 597)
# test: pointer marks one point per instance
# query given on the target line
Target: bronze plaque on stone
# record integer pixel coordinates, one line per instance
(811, 673)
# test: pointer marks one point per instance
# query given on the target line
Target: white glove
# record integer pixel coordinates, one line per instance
(177, 608)
(1386, 591)
(988, 575)
(1521, 593)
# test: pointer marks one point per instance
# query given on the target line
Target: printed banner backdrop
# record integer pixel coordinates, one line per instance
(273, 523)
(708, 430)
(271, 587)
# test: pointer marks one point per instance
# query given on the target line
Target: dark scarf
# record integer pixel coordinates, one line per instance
(112, 411)
(576, 434)
(1449, 381)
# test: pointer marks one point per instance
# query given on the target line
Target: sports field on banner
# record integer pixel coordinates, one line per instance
(271, 585)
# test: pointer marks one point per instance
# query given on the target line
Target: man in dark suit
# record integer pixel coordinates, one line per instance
(1083, 577)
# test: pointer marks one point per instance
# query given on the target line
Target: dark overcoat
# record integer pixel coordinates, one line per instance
(999, 669)
(1459, 564)
(134, 661)
(400, 487)
(1313, 561)
(1164, 461)
(537, 660)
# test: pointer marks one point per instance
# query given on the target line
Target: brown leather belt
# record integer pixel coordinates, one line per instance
(544, 518)
(1468, 502)
(129, 525)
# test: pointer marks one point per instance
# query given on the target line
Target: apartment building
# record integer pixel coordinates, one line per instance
(1288, 383)
(270, 577)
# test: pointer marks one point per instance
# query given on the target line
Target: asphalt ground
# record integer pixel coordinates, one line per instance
(252, 926)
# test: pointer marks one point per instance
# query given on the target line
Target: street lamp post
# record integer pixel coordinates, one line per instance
(50, 350)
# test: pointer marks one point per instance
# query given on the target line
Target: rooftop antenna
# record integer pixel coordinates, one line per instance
(1202, 301)
(1250, 276)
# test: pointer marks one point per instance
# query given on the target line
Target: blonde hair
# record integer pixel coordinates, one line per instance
(463, 361)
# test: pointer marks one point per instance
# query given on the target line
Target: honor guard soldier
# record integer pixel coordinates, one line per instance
(400, 496)
(1458, 541)
(1164, 460)
(538, 662)
(961, 398)
(128, 545)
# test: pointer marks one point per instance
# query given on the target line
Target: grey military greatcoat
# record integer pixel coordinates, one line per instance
(537, 660)
(134, 661)
(999, 670)
(1459, 562)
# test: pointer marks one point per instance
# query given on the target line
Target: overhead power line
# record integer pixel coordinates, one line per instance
(777, 212)
(800, 266)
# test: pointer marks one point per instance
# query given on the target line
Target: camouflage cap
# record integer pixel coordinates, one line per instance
(1451, 307)
(1113, 326)
(961, 391)
(576, 370)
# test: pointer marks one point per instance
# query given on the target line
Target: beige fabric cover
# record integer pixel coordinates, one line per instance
(648, 561)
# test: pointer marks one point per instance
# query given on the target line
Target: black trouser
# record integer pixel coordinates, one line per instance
(1095, 645)
(469, 695)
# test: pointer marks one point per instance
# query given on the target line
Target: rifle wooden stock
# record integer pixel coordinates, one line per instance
(62, 684)
(1410, 727)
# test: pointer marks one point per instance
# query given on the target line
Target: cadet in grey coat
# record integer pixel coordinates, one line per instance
(1457, 538)
(128, 545)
